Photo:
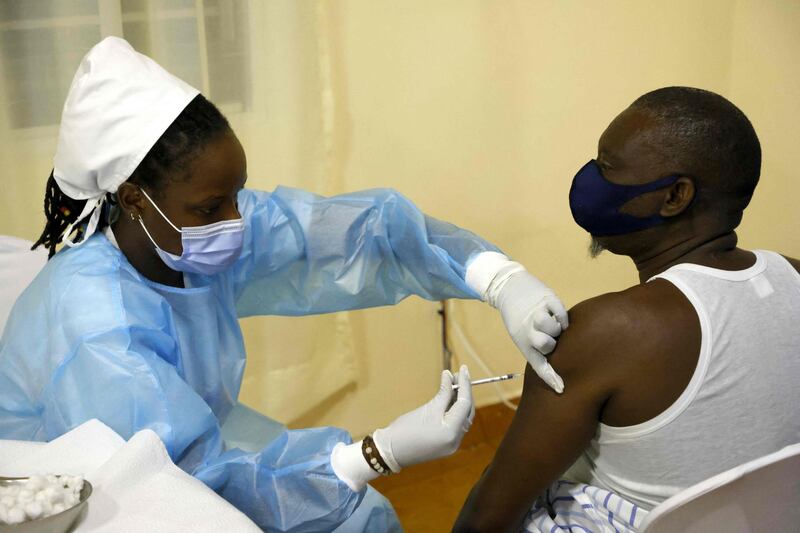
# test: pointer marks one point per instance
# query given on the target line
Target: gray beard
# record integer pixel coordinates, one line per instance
(595, 248)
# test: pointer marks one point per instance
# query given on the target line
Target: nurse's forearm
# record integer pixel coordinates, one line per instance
(267, 485)
(308, 254)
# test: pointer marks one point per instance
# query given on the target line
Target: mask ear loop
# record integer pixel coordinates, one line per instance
(146, 232)
(141, 222)
(159, 212)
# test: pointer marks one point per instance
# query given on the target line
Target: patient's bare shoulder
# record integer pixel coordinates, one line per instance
(600, 332)
(620, 323)
(639, 345)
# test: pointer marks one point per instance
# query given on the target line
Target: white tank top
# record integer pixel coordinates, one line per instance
(742, 402)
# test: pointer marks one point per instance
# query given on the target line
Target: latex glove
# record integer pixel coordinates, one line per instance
(429, 432)
(534, 317)
(432, 431)
(532, 313)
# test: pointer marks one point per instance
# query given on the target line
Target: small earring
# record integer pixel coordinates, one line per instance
(132, 217)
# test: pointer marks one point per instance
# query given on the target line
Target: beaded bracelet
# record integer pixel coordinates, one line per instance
(373, 458)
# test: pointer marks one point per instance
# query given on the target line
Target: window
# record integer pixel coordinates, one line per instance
(204, 42)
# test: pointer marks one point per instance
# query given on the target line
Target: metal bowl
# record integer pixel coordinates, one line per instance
(58, 523)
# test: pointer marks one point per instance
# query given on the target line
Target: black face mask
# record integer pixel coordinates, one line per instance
(595, 202)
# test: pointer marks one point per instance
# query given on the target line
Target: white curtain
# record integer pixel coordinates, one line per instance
(265, 65)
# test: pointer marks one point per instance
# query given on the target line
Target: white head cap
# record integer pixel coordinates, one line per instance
(119, 104)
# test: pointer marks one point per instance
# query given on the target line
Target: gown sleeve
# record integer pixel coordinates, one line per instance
(307, 254)
(119, 377)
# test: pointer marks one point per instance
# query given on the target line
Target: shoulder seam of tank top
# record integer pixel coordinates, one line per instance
(784, 262)
(730, 275)
(613, 433)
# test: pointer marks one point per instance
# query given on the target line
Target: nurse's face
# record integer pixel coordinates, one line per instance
(202, 193)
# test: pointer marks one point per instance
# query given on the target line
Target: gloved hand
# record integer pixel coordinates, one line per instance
(534, 317)
(429, 432)
(532, 313)
(432, 431)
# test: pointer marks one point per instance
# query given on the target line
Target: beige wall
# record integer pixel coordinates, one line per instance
(481, 112)
(765, 82)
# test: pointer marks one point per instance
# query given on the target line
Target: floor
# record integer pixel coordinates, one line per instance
(428, 497)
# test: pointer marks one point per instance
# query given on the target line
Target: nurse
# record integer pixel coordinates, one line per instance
(135, 321)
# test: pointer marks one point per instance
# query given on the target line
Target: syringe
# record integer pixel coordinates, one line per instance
(504, 377)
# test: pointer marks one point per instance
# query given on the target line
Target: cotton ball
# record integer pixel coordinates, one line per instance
(33, 510)
(52, 494)
(71, 500)
(38, 497)
(47, 508)
(35, 483)
(66, 496)
(15, 516)
(77, 487)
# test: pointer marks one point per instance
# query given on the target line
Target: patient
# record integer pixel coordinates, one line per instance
(691, 372)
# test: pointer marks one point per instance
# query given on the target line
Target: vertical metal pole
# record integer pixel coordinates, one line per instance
(447, 355)
(202, 45)
(110, 17)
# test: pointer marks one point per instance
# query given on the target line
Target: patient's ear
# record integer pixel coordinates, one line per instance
(679, 197)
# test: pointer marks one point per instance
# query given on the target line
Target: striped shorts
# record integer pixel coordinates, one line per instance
(581, 508)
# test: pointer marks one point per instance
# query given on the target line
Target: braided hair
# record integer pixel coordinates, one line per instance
(60, 211)
(198, 124)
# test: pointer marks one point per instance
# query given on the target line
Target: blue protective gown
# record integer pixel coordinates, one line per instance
(92, 338)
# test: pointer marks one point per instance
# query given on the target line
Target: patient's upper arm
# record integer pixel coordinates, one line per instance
(549, 431)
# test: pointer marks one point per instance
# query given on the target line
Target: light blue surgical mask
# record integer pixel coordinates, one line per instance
(207, 250)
